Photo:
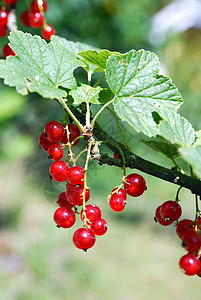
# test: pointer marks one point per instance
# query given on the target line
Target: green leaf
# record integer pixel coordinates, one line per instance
(96, 58)
(198, 137)
(176, 129)
(38, 66)
(192, 155)
(86, 93)
(105, 96)
(139, 90)
(165, 148)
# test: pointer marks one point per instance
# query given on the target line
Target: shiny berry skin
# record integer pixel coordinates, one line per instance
(36, 20)
(99, 226)
(134, 185)
(120, 193)
(76, 176)
(74, 194)
(93, 212)
(184, 226)
(117, 203)
(64, 217)
(191, 241)
(47, 31)
(159, 219)
(7, 51)
(84, 238)
(55, 131)
(3, 17)
(55, 152)
(74, 132)
(3, 31)
(189, 264)
(35, 8)
(171, 210)
(24, 18)
(59, 170)
(63, 202)
(44, 142)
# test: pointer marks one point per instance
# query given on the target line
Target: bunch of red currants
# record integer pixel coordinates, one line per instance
(34, 17)
(54, 138)
(187, 230)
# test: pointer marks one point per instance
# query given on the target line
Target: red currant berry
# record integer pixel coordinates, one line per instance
(10, 2)
(55, 131)
(3, 17)
(158, 218)
(184, 226)
(84, 238)
(59, 170)
(93, 212)
(35, 8)
(115, 156)
(119, 192)
(63, 202)
(191, 241)
(199, 222)
(44, 142)
(24, 18)
(47, 31)
(76, 175)
(99, 226)
(3, 31)
(171, 210)
(199, 273)
(36, 20)
(55, 152)
(189, 264)
(64, 217)
(75, 194)
(134, 185)
(74, 132)
(117, 203)
(7, 51)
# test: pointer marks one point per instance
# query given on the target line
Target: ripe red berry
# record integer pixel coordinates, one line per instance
(117, 203)
(99, 226)
(44, 142)
(76, 175)
(55, 131)
(55, 152)
(189, 264)
(75, 194)
(119, 192)
(171, 210)
(199, 273)
(36, 20)
(3, 31)
(35, 8)
(7, 51)
(192, 241)
(3, 17)
(158, 218)
(63, 202)
(115, 156)
(59, 170)
(184, 226)
(74, 132)
(84, 238)
(10, 2)
(93, 212)
(47, 31)
(24, 18)
(134, 185)
(64, 217)
(199, 222)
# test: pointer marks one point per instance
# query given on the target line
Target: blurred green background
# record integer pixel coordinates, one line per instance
(136, 259)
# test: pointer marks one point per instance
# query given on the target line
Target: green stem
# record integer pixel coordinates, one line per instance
(87, 115)
(83, 151)
(99, 81)
(100, 111)
(177, 195)
(65, 106)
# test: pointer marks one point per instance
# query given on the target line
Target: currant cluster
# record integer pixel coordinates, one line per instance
(53, 140)
(34, 17)
(189, 233)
